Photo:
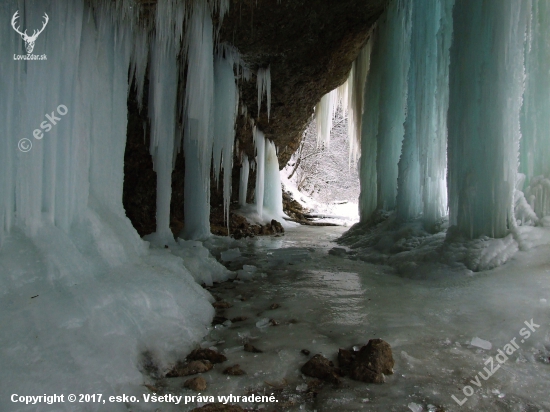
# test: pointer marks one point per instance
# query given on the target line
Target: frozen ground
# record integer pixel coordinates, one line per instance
(330, 300)
(73, 321)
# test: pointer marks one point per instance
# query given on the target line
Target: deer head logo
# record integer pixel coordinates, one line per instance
(29, 40)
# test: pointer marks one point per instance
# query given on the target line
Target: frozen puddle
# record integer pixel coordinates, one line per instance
(440, 332)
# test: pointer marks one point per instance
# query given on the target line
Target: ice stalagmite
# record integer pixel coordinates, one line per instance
(535, 118)
(422, 166)
(486, 86)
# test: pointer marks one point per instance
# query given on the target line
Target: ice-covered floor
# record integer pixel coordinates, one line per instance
(331, 301)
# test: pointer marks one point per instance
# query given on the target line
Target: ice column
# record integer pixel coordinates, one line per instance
(198, 122)
(259, 141)
(163, 86)
(422, 167)
(273, 192)
(368, 199)
(535, 116)
(486, 87)
(384, 109)
(243, 184)
(393, 56)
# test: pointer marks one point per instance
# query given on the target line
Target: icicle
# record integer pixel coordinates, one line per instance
(243, 184)
(355, 99)
(484, 107)
(324, 116)
(350, 95)
(225, 113)
(199, 92)
(198, 111)
(263, 80)
(138, 65)
(259, 141)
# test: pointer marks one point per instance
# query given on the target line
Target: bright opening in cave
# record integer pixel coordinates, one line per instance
(323, 177)
(151, 261)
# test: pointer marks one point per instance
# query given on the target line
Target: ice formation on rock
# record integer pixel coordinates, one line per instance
(243, 183)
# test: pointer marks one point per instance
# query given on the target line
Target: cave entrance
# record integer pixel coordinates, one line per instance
(323, 176)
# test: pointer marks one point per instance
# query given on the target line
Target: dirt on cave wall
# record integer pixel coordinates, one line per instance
(309, 46)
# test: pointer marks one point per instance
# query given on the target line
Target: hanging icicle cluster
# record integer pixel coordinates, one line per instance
(263, 78)
(208, 111)
(350, 95)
